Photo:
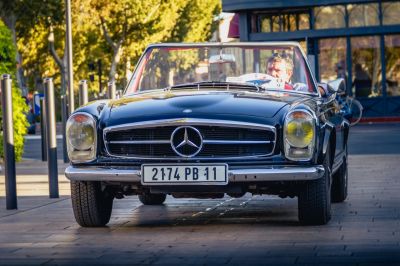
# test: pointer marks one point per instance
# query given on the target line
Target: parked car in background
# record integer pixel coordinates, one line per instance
(206, 120)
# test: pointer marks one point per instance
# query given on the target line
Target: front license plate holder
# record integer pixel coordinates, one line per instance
(184, 174)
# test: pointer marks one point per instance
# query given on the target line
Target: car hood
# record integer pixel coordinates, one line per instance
(248, 106)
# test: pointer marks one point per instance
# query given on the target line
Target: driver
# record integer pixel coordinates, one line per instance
(281, 68)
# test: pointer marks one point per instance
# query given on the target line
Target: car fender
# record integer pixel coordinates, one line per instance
(328, 130)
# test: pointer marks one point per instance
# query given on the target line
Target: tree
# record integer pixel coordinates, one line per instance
(7, 65)
(195, 21)
(25, 19)
(114, 31)
(125, 21)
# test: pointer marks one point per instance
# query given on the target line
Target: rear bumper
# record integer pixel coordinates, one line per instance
(259, 174)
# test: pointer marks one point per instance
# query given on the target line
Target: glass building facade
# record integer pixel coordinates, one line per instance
(356, 40)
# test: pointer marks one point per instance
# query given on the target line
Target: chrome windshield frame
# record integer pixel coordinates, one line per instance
(224, 45)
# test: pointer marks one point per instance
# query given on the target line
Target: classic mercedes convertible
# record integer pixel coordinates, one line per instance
(209, 120)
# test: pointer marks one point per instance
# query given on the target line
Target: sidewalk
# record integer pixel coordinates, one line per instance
(33, 186)
(32, 179)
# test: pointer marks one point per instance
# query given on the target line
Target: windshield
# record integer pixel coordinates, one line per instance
(269, 67)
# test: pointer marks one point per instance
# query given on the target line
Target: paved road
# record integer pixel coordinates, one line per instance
(364, 230)
(33, 148)
(375, 139)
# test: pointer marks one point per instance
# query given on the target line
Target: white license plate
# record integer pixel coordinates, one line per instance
(184, 174)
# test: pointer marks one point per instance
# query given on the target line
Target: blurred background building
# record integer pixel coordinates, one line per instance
(357, 40)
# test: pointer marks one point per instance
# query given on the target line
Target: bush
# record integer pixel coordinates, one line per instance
(7, 66)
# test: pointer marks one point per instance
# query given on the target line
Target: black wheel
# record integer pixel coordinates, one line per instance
(340, 182)
(152, 199)
(92, 206)
(314, 201)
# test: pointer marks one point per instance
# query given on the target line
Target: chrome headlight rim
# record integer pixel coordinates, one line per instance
(310, 147)
(93, 149)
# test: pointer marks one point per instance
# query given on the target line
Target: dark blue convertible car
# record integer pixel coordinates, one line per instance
(209, 120)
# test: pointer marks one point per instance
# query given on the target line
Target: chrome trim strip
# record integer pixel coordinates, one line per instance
(188, 122)
(271, 173)
(138, 142)
(102, 174)
(277, 173)
(237, 142)
(226, 44)
(205, 141)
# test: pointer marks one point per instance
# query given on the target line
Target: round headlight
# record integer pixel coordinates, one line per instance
(81, 132)
(299, 129)
(81, 137)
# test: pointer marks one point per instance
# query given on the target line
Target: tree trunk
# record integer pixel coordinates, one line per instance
(115, 61)
(117, 49)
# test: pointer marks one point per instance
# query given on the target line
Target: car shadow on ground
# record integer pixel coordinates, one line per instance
(175, 215)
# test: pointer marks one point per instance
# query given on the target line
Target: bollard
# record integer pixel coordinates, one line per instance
(83, 92)
(43, 138)
(8, 143)
(64, 114)
(51, 137)
(111, 90)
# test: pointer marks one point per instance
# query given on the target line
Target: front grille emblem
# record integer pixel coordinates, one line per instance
(186, 141)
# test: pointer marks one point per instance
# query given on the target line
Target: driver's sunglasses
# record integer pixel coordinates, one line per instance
(278, 55)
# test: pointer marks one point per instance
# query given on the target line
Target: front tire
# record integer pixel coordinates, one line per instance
(92, 206)
(314, 200)
(152, 199)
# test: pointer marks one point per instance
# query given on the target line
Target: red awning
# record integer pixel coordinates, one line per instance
(234, 27)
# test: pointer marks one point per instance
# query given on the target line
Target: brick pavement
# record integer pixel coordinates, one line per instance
(365, 230)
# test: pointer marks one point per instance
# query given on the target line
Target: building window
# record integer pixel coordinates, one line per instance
(363, 15)
(391, 11)
(366, 59)
(392, 58)
(283, 22)
(332, 59)
(328, 17)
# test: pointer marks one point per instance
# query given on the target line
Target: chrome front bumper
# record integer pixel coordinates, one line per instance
(271, 173)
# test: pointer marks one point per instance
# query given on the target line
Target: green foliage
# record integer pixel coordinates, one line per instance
(7, 65)
(7, 52)
(195, 21)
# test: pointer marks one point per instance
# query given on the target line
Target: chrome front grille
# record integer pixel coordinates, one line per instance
(220, 139)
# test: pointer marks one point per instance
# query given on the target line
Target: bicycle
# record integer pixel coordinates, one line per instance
(351, 109)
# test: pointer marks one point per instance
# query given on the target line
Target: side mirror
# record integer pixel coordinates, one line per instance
(337, 86)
